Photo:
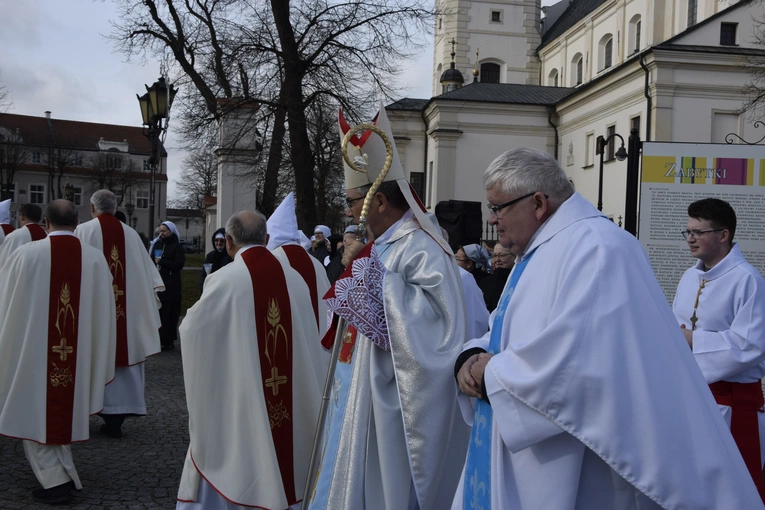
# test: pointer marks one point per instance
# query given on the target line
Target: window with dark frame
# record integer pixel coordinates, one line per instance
(637, 36)
(489, 73)
(496, 16)
(608, 53)
(635, 124)
(693, 6)
(417, 180)
(610, 148)
(728, 34)
(579, 69)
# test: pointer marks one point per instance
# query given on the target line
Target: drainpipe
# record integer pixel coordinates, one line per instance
(649, 101)
(550, 111)
(425, 158)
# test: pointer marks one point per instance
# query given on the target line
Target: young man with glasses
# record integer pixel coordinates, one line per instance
(720, 305)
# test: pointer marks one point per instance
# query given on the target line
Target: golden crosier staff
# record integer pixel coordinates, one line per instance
(358, 165)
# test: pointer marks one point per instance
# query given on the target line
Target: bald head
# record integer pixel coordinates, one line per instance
(245, 228)
(61, 215)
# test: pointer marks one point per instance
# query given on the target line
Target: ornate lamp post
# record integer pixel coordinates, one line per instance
(69, 192)
(155, 108)
(130, 209)
(621, 155)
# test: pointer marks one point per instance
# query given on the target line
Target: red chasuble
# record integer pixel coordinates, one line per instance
(7, 229)
(300, 261)
(114, 251)
(273, 320)
(36, 231)
(63, 327)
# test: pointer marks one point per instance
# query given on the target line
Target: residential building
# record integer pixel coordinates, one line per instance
(191, 226)
(42, 158)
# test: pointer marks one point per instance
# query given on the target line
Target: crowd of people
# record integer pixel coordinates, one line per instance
(583, 389)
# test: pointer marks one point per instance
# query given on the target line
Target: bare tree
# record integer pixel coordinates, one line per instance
(115, 172)
(57, 160)
(198, 179)
(5, 99)
(13, 153)
(283, 55)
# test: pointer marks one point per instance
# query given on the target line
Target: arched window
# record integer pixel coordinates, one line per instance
(634, 34)
(552, 78)
(605, 52)
(489, 73)
(577, 68)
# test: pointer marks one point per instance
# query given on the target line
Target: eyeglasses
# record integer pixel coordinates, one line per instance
(496, 208)
(695, 234)
(350, 201)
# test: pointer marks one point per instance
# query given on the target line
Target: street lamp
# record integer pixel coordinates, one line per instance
(130, 209)
(69, 192)
(155, 107)
(600, 148)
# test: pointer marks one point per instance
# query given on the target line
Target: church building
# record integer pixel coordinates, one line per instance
(505, 77)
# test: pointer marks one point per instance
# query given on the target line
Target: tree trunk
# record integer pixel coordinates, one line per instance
(271, 178)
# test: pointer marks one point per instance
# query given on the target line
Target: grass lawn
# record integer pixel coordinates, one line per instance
(194, 260)
(190, 285)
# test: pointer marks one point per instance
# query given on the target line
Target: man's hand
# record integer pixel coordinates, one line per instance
(477, 369)
(688, 335)
(470, 375)
(351, 251)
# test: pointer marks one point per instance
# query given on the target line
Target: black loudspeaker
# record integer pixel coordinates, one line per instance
(462, 221)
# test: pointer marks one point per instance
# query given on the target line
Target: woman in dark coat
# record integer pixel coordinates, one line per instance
(170, 258)
(217, 258)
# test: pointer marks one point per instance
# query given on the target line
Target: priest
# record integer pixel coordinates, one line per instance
(30, 230)
(54, 368)
(284, 243)
(135, 283)
(5, 219)
(720, 306)
(394, 437)
(584, 393)
(250, 351)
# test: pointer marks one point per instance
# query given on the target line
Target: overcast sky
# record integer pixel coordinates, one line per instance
(53, 56)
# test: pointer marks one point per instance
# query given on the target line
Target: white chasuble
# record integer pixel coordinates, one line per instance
(136, 282)
(597, 401)
(236, 383)
(19, 237)
(54, 362)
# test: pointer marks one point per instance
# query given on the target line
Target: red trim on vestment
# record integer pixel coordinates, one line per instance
(63, 328)
(114, 250)
(36, 231)
(365, 252)
(300, 261)
(746, 402)
(191, 454)
(7, 229)
(273, 323)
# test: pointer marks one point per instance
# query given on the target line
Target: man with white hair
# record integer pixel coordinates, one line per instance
(584, 393)
(30, 230)
(135, 283)
(250, 364)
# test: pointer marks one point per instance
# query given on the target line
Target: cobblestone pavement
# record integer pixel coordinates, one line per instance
(141, 470)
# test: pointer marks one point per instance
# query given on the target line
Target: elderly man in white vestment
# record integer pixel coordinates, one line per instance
(584, 393)
(250, 351)
(54, 363)
(29, 230)
(394, 439)
(136, 281)
(720, 305)
(284, 243)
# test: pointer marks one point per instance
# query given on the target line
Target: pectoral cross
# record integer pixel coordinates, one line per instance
(62, 350)
(695, 319)
(275, 380)
(117, 292)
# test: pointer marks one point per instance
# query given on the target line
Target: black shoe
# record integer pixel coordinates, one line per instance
(115, 433)
(58, 495)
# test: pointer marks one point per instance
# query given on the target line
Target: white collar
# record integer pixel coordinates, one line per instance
(61, 233)
(245, 248)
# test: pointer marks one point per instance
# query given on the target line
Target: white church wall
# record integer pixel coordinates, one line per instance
(709, 34)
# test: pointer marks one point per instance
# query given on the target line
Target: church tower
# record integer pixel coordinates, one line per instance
(505, 32)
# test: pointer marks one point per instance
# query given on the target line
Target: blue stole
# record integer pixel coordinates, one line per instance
(477, 482)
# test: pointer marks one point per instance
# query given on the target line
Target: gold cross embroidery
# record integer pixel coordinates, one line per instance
(695, 319)
(62, 350)
(117, 292)
(275, 380)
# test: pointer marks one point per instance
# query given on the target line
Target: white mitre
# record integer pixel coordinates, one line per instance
(282, 225)
(5, 211)
(369, 149)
